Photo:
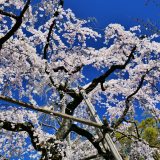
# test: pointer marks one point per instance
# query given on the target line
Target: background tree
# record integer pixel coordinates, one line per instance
(147, 129)
(44, 53)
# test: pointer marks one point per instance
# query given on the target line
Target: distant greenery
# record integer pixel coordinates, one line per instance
(148, 129)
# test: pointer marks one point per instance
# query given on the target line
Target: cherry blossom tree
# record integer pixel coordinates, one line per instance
(44, 54)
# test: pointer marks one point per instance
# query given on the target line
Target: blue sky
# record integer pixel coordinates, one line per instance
(116, 11)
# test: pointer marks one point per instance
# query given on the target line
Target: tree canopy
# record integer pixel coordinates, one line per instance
(45, 52)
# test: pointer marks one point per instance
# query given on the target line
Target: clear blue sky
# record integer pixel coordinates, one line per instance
(116, 11)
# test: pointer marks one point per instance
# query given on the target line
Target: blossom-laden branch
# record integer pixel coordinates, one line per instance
(16, 25)
(29, 128)
(46, 150)
(154, 86)
(113, 68)
(56, 14)
(127, 102)
(61, 87)
(75, 97)
(18, 127)
(101, 79)
(72, 93)
(64, 88)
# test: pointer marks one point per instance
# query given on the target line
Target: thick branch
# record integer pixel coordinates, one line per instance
(88, 135)
(78, 98)
(102, 78)
(18, 127)
(107, 155)
(90, 157)
(63, 88)
(73, 104)
(77, 69)
(62, 68)
(16, 25)
(48, 147)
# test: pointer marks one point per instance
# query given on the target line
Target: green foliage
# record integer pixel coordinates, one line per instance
(148, 130)
(151, 135)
